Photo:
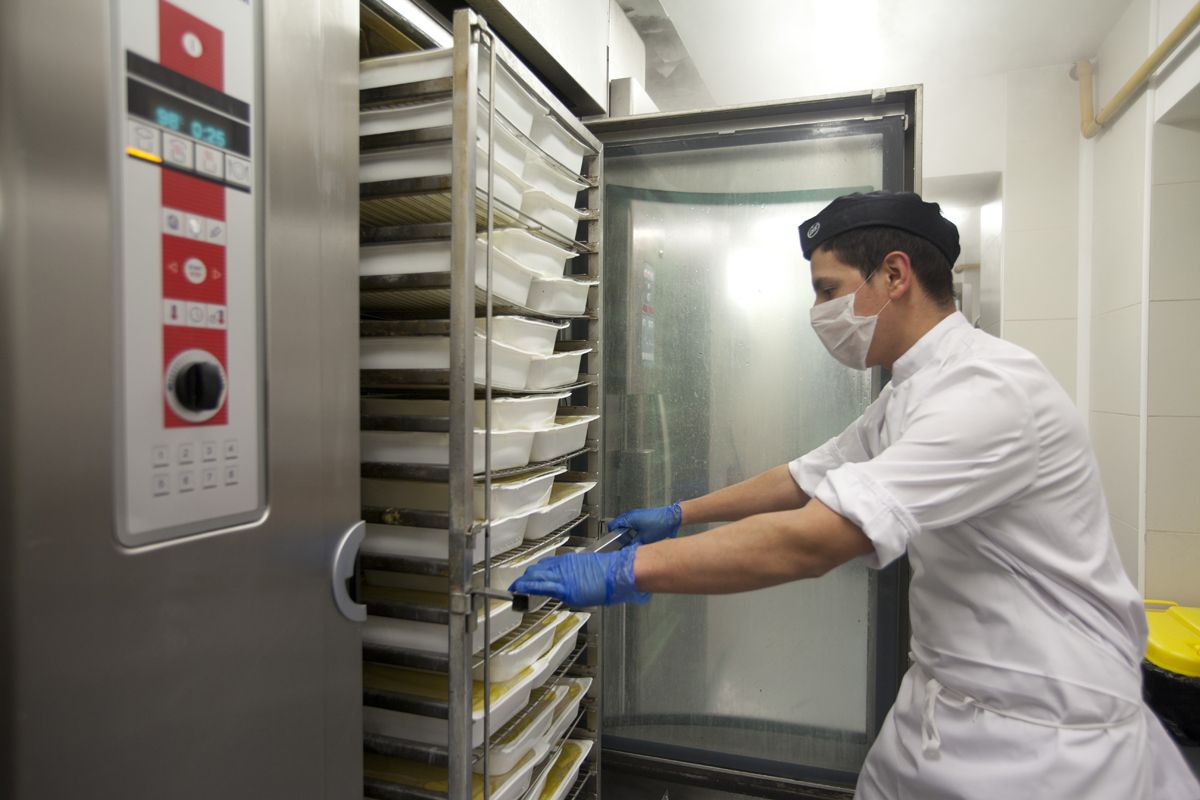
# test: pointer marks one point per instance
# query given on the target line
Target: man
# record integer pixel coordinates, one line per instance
(1027, 636)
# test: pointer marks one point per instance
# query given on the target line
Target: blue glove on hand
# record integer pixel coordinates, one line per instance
(646, 525)
(584, 579)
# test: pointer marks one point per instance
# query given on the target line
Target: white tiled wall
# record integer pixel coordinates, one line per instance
(1117, 360)
(1115, 438)
(1171, 567)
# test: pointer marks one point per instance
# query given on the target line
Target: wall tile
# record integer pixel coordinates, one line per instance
(1041, 274)
(1116, 361)
(1126, 537)
(1118, 211)
(1174, 358)
(1172, 466)
(1171, 560)
(1115, 438)
(1175, 241)
(1176, 156)
(1041, 184)
(1052, 341)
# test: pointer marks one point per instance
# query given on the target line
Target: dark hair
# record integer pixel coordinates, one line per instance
(865, 248)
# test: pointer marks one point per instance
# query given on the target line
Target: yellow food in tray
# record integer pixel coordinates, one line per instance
(565, 768)
(431, 778)
(430, 685)
(539, 700)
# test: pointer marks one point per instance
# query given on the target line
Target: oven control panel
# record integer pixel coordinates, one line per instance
(190, 262)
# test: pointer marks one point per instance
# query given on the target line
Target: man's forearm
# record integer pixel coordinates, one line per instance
(773, 490)
(760, 551)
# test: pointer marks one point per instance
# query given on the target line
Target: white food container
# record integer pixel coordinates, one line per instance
(405, 118)
(530, 737)
(566, 502)
(559, 296)
(508, 413)
(400, 772)
(509, 495)
(405, 541)
(564, 642)
(427, 160)
(570, 760)
(562, 218)
(542, 176)
(509, 448)
(559, 369)
(433, 637)
(508, 660)
(510, 280)
(530, 335)
(532, 252)
(558, 143)
(513, 696)
(567, 435)
(503, 576)
(512, 101)
(510, 366)
(568, 707)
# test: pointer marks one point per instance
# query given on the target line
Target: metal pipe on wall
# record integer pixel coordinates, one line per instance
(1090, 123)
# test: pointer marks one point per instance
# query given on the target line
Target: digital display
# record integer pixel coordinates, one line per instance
(187, 119)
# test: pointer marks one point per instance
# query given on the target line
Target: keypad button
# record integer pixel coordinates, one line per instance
(231, 449)
(195, 226)
(214, 232)
(237, 170)
(174, 312)
(208, 451)
(197, 315)
(216, 316)
(177, 151)
(186, 481)
(160, 455)
(231, 474)
(208, 478)
(173, 222)
(195, 270)
(161, 484)
(186, 453)
(145, 137)
(210, 162)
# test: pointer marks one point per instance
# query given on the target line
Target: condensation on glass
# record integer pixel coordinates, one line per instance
(713, 374)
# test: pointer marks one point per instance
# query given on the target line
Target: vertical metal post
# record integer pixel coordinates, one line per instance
(462, 398)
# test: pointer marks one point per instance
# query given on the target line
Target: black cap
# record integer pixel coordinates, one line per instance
(903, 210)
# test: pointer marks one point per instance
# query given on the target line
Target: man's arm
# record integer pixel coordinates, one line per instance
(759, 551)
(773, 490)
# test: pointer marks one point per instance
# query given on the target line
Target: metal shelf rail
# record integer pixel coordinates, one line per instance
(455, 207)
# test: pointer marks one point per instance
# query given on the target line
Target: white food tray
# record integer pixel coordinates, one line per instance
(567, 435)
(564, 643)
(569, 761)
(510, 280)
(562, 218)
(559, 296)
(509, 448)
(432, 637)
(551, 371)
(509, 661)
(430, 160)
(568, 707)
(530, 738)
(404, 541)
(543, 177)
(502, 577)
(512, 785)
(530, 335)
(513, 696)
(566, 502)
(510, 496)
(508, 413)
(510, 366)
(534, 253)
(558, 143)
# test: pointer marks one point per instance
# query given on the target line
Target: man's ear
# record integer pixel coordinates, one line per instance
(897, 269)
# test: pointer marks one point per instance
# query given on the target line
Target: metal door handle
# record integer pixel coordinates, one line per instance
(344, 556)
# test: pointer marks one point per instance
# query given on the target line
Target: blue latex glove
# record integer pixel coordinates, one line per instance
(584, 579)
(646, 525)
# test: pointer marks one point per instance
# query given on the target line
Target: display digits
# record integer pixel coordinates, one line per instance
(168, 118)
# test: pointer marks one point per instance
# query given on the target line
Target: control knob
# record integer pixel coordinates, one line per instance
(195, 385)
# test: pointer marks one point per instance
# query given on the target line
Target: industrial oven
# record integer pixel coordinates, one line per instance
(266, 310)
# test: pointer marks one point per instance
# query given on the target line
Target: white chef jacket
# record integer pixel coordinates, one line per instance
(1027, 636)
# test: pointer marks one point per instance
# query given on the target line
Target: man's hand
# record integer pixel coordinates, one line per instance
(647, 525)
(584, 579)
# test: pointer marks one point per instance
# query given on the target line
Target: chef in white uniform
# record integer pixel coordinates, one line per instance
(1027, 636)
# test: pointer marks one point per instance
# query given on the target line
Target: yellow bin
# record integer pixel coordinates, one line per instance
(1171, 671)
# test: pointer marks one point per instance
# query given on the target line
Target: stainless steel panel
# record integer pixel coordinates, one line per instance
(217, 666)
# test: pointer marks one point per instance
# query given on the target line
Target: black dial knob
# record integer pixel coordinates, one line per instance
(199, 386)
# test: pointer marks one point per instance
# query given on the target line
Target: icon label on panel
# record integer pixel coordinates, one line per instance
(194, 270)
(177, 150)
(215, 232)
(145, 137)
(172, 222)
(174, 312)
(195, 227)
(197, 315)
(210, 162)
(216, 317)
(237, 170)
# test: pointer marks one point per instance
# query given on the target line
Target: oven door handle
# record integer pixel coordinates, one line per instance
(345, 556)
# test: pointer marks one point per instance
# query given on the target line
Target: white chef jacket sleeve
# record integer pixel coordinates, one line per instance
(810, 469)
(969, 447)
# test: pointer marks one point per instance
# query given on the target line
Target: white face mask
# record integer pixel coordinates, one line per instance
(845, 335)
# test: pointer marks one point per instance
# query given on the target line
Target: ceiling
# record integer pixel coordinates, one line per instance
(757, 50)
